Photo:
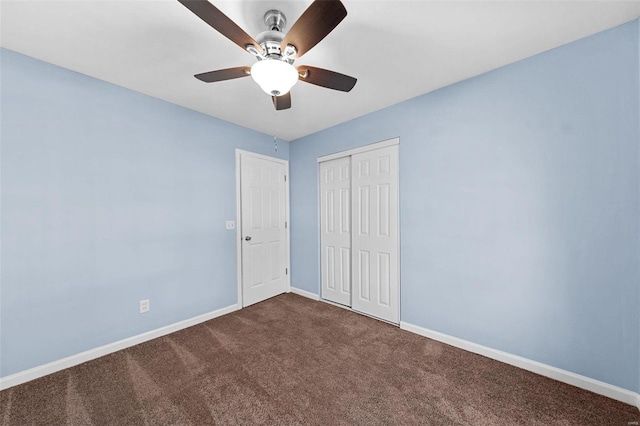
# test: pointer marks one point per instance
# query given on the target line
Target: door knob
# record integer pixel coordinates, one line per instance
(247, 238)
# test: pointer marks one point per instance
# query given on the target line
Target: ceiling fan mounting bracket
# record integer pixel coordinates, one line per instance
(275, 20)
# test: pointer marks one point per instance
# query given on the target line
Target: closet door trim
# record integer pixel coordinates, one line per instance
(360, 149)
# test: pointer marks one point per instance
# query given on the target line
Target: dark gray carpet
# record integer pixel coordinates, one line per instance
(290, 360)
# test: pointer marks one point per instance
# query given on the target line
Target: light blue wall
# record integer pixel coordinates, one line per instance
(108, 197)
(519, 206)
(520, 199)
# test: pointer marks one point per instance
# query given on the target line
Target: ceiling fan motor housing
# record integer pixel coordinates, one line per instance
(271, 40)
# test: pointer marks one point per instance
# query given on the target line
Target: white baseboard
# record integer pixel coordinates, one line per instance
(43, 370)
(564, 376)
(577, 380)
(305, 293)
(558, 374)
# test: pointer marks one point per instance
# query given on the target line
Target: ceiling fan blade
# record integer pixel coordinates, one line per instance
(225, 74)
(282, 102)
(221, 23)
(315, 24)
(326, 78)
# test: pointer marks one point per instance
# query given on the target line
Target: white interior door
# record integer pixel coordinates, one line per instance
(335, 230)
(263, 228)
(374, 241)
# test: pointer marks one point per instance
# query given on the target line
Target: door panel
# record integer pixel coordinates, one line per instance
(335, 226)
(362, 275)
(263, 215)
(375, 244)
(363, 208)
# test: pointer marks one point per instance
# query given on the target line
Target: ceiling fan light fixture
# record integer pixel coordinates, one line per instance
(274, 76)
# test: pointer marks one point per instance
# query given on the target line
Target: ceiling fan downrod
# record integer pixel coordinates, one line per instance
(275, 20)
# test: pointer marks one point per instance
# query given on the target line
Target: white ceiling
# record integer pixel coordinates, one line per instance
(396, 49)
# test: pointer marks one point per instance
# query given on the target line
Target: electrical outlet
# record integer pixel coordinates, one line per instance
(144, 306)
(231, 224)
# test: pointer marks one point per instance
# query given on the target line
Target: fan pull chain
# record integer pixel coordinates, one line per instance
(275, 139)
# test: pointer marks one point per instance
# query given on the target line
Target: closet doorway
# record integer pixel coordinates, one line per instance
(359, 230)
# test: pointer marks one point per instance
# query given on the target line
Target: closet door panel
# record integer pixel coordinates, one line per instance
(335, 230)
(375, 238)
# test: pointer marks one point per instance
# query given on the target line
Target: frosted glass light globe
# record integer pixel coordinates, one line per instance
(274, 76)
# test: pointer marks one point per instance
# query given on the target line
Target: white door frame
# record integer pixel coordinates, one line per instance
(239, 154)
(350, 152)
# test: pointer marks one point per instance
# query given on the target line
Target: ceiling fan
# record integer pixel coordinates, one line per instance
(276, 51)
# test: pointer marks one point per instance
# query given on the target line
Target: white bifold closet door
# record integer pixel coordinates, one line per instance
(374, 240)
(335, 230)
(359, 232)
